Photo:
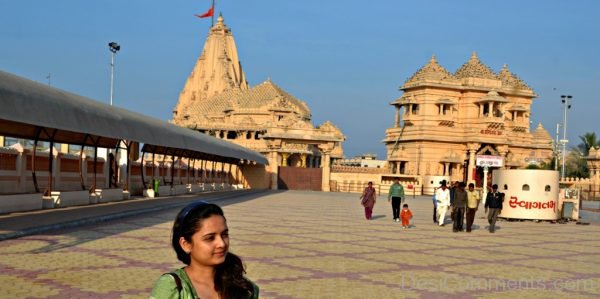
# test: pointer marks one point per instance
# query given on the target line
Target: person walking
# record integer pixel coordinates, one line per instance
(458, 207)
(435, 217)
(368, 199)
(396, 195)
(442, 196)
(493, 201)
(406, 215)
(473, 199)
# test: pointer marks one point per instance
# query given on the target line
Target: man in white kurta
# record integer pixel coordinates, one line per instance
(442, 196)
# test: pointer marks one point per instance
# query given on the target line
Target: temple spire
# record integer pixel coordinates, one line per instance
(218, 69)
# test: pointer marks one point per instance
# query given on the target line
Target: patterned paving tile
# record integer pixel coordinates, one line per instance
(505, 271)
(336, 288)
(316, 245)
(335, 264)
(480, 254)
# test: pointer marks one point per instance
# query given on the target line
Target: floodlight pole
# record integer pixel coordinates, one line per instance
(566, 99)
(113, 47)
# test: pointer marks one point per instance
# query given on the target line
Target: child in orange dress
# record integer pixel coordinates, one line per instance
(406, 215)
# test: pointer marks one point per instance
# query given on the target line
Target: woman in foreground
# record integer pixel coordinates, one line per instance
(200, 239)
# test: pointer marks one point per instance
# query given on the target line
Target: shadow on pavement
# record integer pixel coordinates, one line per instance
(78, 221)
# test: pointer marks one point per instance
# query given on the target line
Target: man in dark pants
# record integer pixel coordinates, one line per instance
(493, 201)
(395, 195)
(473, 199)
(458, 207)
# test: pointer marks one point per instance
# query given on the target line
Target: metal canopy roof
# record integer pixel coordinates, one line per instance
(26, 106)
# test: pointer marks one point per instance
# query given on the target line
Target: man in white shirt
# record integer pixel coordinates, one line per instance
(442, 196)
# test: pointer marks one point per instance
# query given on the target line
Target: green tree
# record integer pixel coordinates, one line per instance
(576, 165)
(588, 140)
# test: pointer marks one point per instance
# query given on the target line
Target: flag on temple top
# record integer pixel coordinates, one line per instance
(209, 13)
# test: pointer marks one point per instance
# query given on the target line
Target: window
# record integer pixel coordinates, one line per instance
(415, 109)
(547, 188)
(231, 135)
(525, 187)
(485, 111)
(505, 187)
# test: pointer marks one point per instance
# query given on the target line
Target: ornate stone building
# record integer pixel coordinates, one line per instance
(217, 100)
(443, 120)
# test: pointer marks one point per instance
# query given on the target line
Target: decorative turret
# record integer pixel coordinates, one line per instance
(511, 81)
(218, 69)
(431, 71)
(475, 69)
(540, 135)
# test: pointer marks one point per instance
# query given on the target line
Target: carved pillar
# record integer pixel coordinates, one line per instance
(303, 160)
(472, 148)
(446, 170)
(397, 166)
(502, 151)
(284, 157)
(397, 118)
(490, 107)
(481, 110)
(326, 165)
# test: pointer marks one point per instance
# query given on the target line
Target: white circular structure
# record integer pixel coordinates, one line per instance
(528, 193)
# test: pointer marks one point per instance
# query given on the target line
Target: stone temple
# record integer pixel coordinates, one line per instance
(443, 120)
(218, 101)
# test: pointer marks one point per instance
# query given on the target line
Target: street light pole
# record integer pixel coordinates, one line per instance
(113, 47)
(557, 147)
(566, 100)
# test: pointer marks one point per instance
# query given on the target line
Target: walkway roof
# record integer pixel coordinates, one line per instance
(26, 106)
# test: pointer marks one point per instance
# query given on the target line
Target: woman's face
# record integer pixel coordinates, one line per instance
(210, 244)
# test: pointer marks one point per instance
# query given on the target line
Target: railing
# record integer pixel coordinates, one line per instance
(358, 187)
(355, 169)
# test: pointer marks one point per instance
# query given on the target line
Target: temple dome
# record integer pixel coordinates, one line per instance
(431, 71)
(510, 80)
(474, 68)
(541, 134)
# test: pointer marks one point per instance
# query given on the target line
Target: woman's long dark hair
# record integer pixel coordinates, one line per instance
(229, 276)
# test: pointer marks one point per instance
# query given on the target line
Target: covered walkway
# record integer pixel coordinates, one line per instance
(38, 112)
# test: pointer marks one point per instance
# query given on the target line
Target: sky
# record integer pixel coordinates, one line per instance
(345, 59)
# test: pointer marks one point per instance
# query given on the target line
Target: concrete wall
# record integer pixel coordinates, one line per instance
(256, 176)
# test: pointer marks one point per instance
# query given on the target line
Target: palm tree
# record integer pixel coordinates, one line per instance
(588, 140)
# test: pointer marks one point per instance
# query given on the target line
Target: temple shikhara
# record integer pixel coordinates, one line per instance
(443, 120)
(217, 100)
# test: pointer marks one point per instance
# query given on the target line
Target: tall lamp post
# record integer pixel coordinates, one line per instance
(114, 48)
(566, 100)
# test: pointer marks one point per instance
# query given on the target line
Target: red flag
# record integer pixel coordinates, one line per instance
(207, 14)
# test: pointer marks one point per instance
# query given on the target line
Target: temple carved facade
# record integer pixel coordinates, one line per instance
(444, 120)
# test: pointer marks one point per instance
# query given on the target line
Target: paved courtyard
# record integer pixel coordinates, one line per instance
(316, 245)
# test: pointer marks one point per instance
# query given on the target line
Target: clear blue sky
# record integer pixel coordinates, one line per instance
(346, 59)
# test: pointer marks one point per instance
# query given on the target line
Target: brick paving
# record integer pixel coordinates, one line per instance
(315, 245)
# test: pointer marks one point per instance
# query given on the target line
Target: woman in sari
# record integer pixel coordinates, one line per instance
(368, 199)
